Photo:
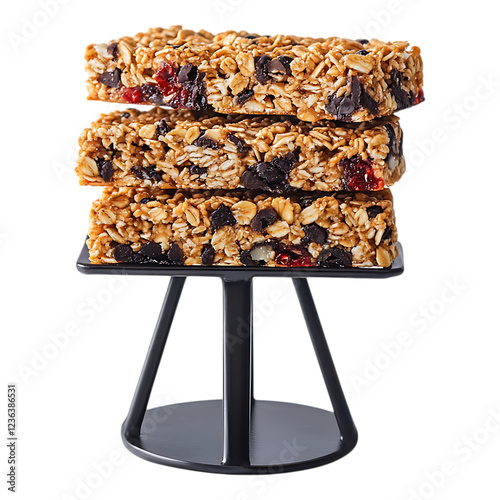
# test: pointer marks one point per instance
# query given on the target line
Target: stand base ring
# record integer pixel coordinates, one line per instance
(284, 437)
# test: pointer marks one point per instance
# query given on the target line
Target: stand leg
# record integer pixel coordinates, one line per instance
(238, 398)
(133, 422)
(340, 408)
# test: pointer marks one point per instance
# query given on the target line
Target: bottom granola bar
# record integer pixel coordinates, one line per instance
(236, 228)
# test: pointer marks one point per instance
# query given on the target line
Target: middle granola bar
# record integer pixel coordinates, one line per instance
(175, 149)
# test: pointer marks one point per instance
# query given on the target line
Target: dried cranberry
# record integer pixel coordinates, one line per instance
(133, 95)
(293, 256)
(419, 97)
(358, 175)
(184, 85)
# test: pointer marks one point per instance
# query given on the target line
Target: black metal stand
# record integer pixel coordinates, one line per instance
(238, 434)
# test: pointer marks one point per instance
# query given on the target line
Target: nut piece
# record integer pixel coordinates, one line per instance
(363, 64)
(244, 211)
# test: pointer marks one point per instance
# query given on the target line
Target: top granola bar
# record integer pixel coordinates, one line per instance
(238, 72)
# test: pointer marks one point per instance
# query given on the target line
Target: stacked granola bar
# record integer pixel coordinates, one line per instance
(276, 151)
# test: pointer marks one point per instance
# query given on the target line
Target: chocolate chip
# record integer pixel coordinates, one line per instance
(207, 255)
(187, 73)
(175, 254)
(368, 102)
(337, 256)
(374, 211)
(276, 66)
(362, 52)
(263, 218)
(147, 173)
(340, 108)
(387, 235)
(362, 41)
(123, 253)
(285, 163)
(261, 68)
(151, 250)
(146, 200)
(221, 217)
(250, 37)
(162, 128)
(270, 174)
(241, 146)
(251, 180)
(152, 94)
(285, 61)
(197, 170)
(306, 201)
(392, 138)
(105, 168)
(244, 96)
(343, 107)
(246, 260)
(205, 142)
(125, 115)
(315, 234)
(402, 98)
(111, 78)
(112, 50)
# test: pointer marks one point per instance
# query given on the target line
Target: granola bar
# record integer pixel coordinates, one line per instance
(238, 72)
(173, 149)
(342, 229)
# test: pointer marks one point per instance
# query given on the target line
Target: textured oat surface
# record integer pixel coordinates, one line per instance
(234, 72)
(190, 150)
(235, 228)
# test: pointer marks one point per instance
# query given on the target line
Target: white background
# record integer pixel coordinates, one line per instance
(433, 402)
